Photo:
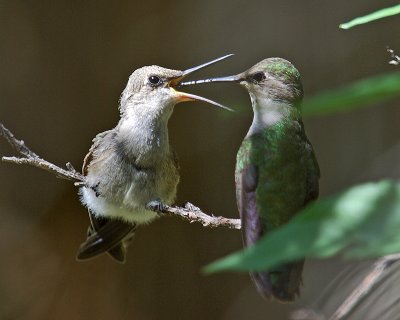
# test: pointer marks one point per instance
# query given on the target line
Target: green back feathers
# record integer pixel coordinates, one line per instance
(278, 153)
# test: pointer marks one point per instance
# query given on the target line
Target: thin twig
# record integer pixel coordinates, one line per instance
(194, 214)
(355, 297)
(45, 165)
(306, 314)
(189, 212)
(33, 159)
(365, 287)
(18, 145)
(395, 58)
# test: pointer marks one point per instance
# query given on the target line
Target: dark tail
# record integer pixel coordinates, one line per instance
(118, 253)
(106, 235)
(282, 284)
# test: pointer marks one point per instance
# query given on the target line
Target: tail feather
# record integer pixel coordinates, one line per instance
(282, 284)
(118, 253)
(106, 235)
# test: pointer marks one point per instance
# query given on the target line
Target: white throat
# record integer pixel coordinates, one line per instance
(144, 132)
(267, 113)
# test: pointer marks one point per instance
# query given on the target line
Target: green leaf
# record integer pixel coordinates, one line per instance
(355, 95)
(383, 13)
(363, 221)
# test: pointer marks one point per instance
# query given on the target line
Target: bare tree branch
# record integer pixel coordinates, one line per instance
(395, 58)
(306, 314)
(189, 212)
(194, 214)
(33, 159)
(365, 287)
(18, 145)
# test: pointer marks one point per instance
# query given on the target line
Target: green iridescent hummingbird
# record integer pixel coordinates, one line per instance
(276, 169)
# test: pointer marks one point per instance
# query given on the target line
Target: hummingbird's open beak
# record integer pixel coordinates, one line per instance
(182, 96)
(235, 78)
(176, 81)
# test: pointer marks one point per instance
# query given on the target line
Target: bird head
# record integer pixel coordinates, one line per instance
(273, 79)
(153, 89)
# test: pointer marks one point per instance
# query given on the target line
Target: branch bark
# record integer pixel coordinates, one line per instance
(189, 212)
(395, 58)
(365, 287)
(194, 214)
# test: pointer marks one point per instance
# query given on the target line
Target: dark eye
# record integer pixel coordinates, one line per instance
(258, 77)
(154, 81)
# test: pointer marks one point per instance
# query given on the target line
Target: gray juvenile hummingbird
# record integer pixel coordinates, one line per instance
(276, 170)
(133, 165)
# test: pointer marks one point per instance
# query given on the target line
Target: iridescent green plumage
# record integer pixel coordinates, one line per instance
(276, 171)
(282, 155)
(286, 179)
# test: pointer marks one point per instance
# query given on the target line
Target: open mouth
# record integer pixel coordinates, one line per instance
(182, 96)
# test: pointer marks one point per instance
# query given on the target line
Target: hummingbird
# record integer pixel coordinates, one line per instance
(276, 172)
(132, 168)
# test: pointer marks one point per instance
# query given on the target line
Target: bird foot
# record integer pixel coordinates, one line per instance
(190, 206)
(155, 205)
(95, 188)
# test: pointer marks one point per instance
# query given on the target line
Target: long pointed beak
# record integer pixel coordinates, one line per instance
(176, 81)
(182, 96)
(193, 69)
(235, 78)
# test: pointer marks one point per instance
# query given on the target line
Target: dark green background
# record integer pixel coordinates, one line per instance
(63, 66)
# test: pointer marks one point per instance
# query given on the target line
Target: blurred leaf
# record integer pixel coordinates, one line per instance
(355, 95)
(383, 13)
(363, 221)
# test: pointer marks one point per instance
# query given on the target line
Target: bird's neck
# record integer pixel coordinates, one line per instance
(268, 113)
(142, 135)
